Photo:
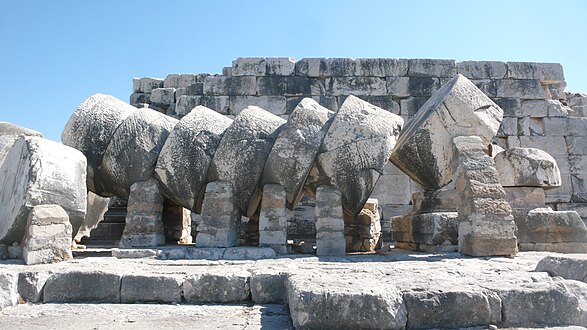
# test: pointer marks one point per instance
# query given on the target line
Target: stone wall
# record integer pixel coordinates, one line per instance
(537, 111)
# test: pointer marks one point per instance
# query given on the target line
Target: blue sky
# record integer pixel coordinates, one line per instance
(55, 54)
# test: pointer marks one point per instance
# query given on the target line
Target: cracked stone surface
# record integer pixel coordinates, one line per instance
(355, 150)
(527, 167)
(242, 153)
(184, 160)
(296, 148)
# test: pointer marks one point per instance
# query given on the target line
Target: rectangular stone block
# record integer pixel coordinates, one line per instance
(527, 89)
(146, 84)
(218, 223)
(249, 66)
(330, 243)
(355, 86)
(579, 184)
(577, 145)
(193, 89)
(137, 98)
(398, 86)
(280, 66)
(385, 102)
(393, 189)
(82, 286)
(268, 286)
(543, 72)
(580, 208)
(534, 108)
(329, 224)
(482, 69)
(381, 67)
(560, 194)
(411, 105)
(270, 238)
(435, 228)
(218, 287)
(565, 126)
(509, 126)
(554, 145)
(230, 86)
(283, 86)
(423, 86)
(162, 96)
(328, 203)
(430, 67)
(511, 106)
(150, 289)
(487, 86)
(273, 104)
(528, 126)
(525, 197)
(186, 103)
(180, 80)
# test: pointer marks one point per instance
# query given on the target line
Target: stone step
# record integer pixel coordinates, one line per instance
(105, 231)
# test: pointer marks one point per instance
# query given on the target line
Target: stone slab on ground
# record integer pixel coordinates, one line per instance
(571, 267)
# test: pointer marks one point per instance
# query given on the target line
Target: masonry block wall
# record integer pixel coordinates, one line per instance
(537, 111)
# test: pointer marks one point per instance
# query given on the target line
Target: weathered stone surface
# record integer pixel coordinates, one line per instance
(249, 66)
(430, 67)
(287, 86)
(47, 238)
(242, 153)
(187, 103)
(527, 89)
(525, 197)
(8, 289)
(96, 207)
(273, 219)
(230, 86)
(38, 171)
(273, 103)
(316, 301)
(182, 80)
(355, 150)
(329, 222)
(146, 84)
(143, 223)
(568, 267)
(89, 130)
(30, 285)
(482, 69)
(296, 147)
(185, 157)
(150, 289)
(217, 287)
(7, 128)
(268, 286)
(457, 308)
(527, 167)
(325, 67)
(543, 225)
(132, 153)
(546, 73)
(458, 108)
(217, 226)
(162, 96)
(280, 66)
(363, 232)
(439, 228)
(248, 253)
(381, 67)
(82, 286)
(355, 86)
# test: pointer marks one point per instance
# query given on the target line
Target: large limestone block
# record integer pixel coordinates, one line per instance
(242, 153)
(568, 267)
(324, 302)
(133, 150)
(8, 289)
(217, 287)
(424, 147)
(47, 238)
(296, 148)
(38, 171)
(150, 289)
(184, 160)
(83, 286)
(543, 225)
(90, 128)
(527, 167)
(355, 150)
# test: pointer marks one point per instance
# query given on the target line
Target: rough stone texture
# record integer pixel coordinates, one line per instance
(30, 285)
(182, 166)
(150, 289)
(218, 222)
(179, 80)
(459, 108)
(431, 232)
(47, 238)
(249, 66)
(89, 130)
(319, 302)
(162, 97)
(217, 287)
(545, 72)
(230, 86)
(355, 150)
(135, 145)
(280, 66)
(482, 69)
(268, 286)
(273, 219)
(7, 128)
(527, 167)
(296, 147)
(146, 84)
(95, 209)
(37, 171)
(82, 286)
(486, 221)
(564, 231)
(144, 225)
(381, 67)
(329, 222)
(363, 232)
(8, 289)
(242, 153)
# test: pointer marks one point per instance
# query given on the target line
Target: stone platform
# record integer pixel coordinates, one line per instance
(398, 289)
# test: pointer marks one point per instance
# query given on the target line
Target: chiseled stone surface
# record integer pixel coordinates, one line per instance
(47, 238)
(218, 223)
(543, 225)
(527, 167)
(182, 166)
(296, 147)
(242, 153)
(355, 150)
(423, 149)
(90, 128)
(133, 150)
(38, 171)
(143, 223)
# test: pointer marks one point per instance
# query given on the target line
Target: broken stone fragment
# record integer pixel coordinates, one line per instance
(242, 153)
(424, 148)
(296, 148)
(133, 150)
(47, 238)
(38, 171)
(96, 207)
(527, 167)
(182, 166)
(90, 128)
(7, 128)
(355, 150)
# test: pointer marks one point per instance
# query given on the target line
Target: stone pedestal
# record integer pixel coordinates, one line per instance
(329, 222)
(144, 226)
(48, 235)
(273, 218)
(218, 223)
(486, 226)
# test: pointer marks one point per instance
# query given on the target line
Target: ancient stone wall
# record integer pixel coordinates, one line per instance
(537, 111)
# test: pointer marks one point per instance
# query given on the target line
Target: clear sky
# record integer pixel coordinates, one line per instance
(55, 54)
